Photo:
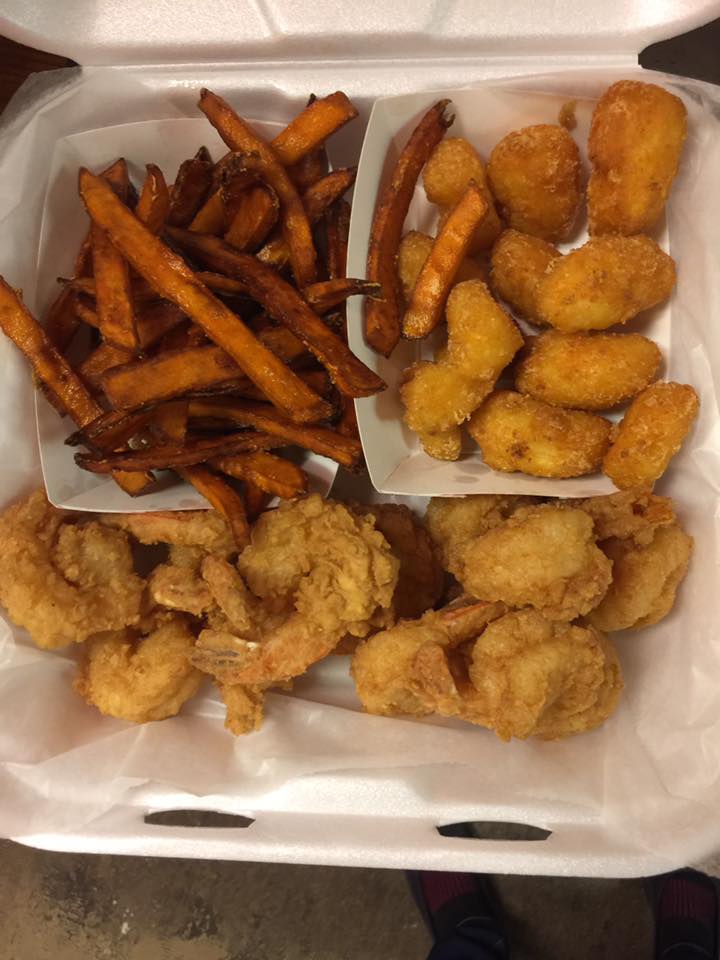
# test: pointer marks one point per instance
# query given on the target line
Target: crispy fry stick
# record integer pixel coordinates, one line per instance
(222, 284)
(447, 253)
(270, 473)
(99, 361)
(141, 290)
(284, 343)
(51, 368)
(169, 420)
(317, 380)
(191, 187)
(156, 319)
(313, 126)
(320, 440)
(223, 498)
(309, 169)
(170, 456)
(112, 429)
(62, 319)
(255, 499)
(173, 279)
(327, 294)
(382, 317)
(113, 299)
(211, 215)
(337, 229)
(154, 203)
(295, 226)
(256, 214)
(170, 374)
(284, 304)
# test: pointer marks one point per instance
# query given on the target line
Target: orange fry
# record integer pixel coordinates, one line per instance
(154, 203)
(284, 304)
(313, 126)
(113, 299)
(169, 420)
(191, 187)
(141, 291)
(337, 229)
(327, 294)
(256, 215)
(174, 280)
(211, 215)
(273, 474)
(383, 317)
(309, 169)
(103, 358)
(223, 498)
(447, 253)
(62, 318)
(112, 429)
(255, 499)
(296, 228)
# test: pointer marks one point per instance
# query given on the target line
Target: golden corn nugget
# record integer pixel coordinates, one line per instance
(636, 138)
(518, 262)
(452, 165)
(516, 432)
(438, 397)
(413, 252)
(534, 174)
(650, 434)
(645, 579)
(607, 281)
(589, 371)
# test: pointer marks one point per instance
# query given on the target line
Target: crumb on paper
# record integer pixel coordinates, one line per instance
(566, 117)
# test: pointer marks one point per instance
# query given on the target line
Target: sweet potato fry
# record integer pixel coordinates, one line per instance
(295, 226)
(191, 187)
(170, 374)
(446, 256)
(154, 203)
(320, 440)
(113, 428)
(170, 456)
(284, 343)
(313, 126)
(255, 500)
(173, 279)
(317, 380)
(284, 304)
(169, 420)
(282, 478)
(211, 215)
(154, 320)
(219, 283)
(257, 213)
(62, 320)
(223, 498)
(141, 290)
(327, 294)
(113, 300)
(309, 169)
(383, 317)
(52, 369)
(99, 361)
(337, 229)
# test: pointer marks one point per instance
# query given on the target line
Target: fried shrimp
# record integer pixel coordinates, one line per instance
(64, 582)
(140, 674)
(204, 529)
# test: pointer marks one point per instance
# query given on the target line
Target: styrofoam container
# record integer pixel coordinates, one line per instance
(322, 782)
(64, 223)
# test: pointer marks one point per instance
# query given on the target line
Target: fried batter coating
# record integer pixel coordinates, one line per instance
(421, 578)
(64, 582)
(587, 371)
(140, 675)
(204, 529)
(179, 587)
(515, 432)
(518, 263)
(633, 515)
(645, 579)
(453, 521)
(315, 572)
(532, 677)
(412, 254)
(438, 397)
(607, 281)
(543, 557)
(244, 707)
(534, 174)
(650, 434)
(452, 165)
(636, 138)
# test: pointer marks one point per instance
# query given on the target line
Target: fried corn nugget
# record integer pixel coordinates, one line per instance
(518, 263)
(608, 280)
(452, 165)
(413, 252)
(633, 515)
(515, 432)
(534, 174)
(438, 397)
(453, 521)
(636, 138)
(543, 557)
(587, 371)
(645, 579)
(140, 675)
(533, 677)
(650, 434)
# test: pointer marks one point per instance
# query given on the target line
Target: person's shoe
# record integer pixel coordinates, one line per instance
(686, 916)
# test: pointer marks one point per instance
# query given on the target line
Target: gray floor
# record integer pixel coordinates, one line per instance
(67, 907)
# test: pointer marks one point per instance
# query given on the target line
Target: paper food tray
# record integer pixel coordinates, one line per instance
(322, 782)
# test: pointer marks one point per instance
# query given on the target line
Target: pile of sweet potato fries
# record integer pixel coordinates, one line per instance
(216, 308)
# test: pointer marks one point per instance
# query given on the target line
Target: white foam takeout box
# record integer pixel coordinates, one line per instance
(323, 783)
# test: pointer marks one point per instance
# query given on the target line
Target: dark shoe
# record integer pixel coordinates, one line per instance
(686, 916)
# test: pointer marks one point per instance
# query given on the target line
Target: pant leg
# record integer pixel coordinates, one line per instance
(474, 939)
